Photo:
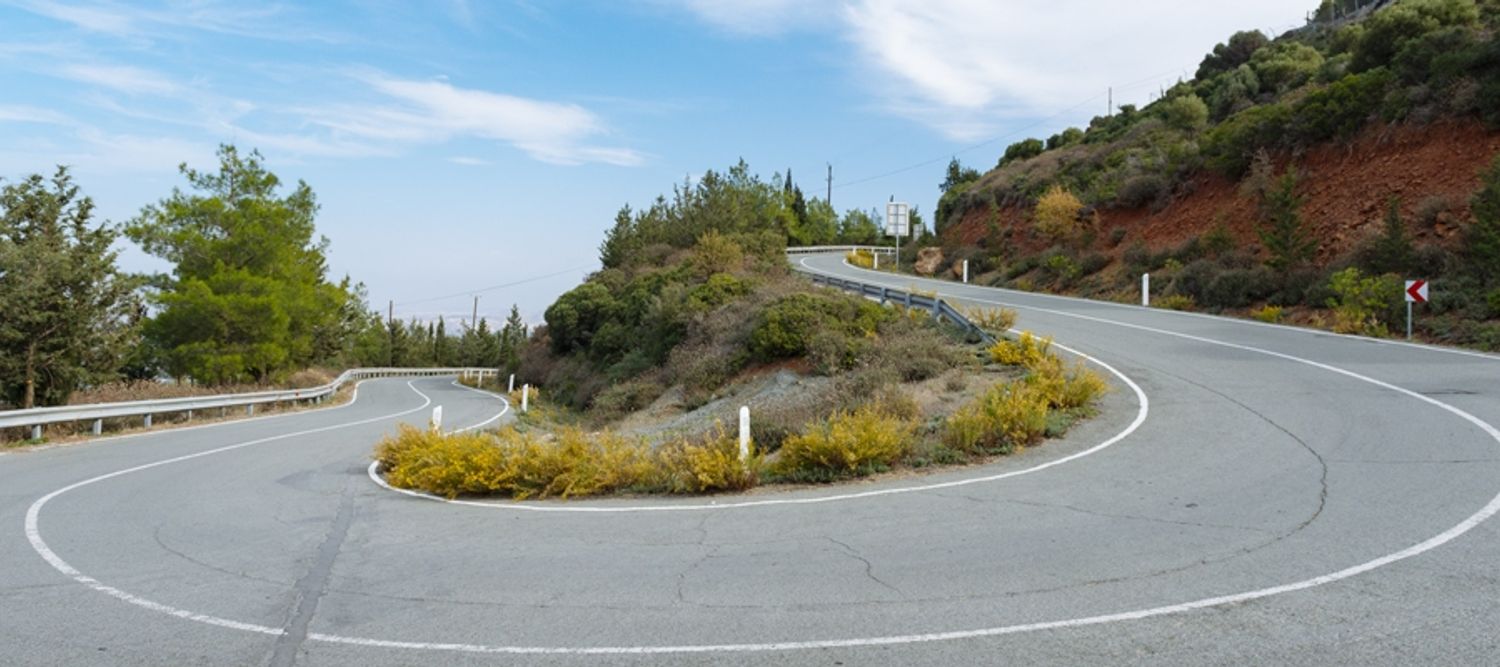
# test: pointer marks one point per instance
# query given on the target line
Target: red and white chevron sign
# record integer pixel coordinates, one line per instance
(1416, 291)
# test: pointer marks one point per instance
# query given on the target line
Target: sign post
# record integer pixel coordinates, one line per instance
(898, 224)
(1416, 292)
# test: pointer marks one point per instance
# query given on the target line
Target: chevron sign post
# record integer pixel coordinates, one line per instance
(1416, 292)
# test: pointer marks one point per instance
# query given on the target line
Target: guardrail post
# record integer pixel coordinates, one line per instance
(937, 309)
(148, 421)
(250, 410)
(190, 415)
(36, 432)
(98, 426)
(885, 295)
(908, 298)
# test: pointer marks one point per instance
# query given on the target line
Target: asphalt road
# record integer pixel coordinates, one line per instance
(1251, 494)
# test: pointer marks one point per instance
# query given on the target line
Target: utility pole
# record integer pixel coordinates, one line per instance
(390, 327)
(474, 321)
(830, 185)
(1111, 101)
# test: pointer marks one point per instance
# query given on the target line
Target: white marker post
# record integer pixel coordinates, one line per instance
(744, 433)
(437, 419)
(525, 394)
(512, 386)
(876, 255)
(966, 272)
(1145, 289)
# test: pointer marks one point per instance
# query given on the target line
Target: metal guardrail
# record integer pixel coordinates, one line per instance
(940, 309)
(823, 249)
(36, 418)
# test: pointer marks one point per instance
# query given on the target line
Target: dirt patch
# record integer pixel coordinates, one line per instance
(1347, 186)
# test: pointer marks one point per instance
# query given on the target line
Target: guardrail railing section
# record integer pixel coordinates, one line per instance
(37, 418)
(941, 310)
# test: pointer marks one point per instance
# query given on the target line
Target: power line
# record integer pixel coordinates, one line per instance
(497, 287)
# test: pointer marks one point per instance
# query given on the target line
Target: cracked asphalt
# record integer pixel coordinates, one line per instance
(1252, 471)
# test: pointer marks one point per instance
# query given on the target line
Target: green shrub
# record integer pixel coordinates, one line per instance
(998, 320)
(1482, 236)
(1066, 388)
(1388, 31)
(1268, 314)
(719, 289)
(1340, 109)
(515, 464)
(709, 466)
(787, 327)
(1231, 145)
(1022, 150)
(1006, 417)
(1027, 351)
(1363, 305)
(1175, 302)
(847, 443)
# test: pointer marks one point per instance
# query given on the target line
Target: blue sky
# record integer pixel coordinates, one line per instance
(457, 146)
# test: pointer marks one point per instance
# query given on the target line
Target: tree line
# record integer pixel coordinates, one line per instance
(248, 300)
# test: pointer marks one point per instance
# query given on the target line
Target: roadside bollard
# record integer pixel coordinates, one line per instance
(525, 393)
(1145, 289)
(437, 419)
(744, 433)
(512, 386)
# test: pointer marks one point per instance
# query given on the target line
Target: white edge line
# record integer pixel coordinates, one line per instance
(1140, 418)
(34, 535)
(1489, 510)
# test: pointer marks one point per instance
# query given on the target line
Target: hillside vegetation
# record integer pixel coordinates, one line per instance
(1282, 163)
(696, 312)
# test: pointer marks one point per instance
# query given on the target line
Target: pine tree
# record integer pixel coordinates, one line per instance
(249, 294)
(1483, 235)
(512, 339)
(442, 346)
(1392, 251)
(1281, 230)
(69, 315)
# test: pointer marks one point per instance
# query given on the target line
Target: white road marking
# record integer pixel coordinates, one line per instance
(1484, 513)
(1140, 418)
(34, 534)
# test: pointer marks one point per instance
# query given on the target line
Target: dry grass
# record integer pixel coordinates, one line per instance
(848, 443)
(570, 463)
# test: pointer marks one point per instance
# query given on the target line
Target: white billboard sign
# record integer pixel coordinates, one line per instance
(897, 219)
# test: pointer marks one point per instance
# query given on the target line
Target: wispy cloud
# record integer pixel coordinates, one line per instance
(268, 21)
(123, 78)
(759, 17)
(434, 111)
(469, 161)
(19, 113)
(966, 66)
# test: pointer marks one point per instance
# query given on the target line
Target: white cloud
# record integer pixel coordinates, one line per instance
(17, 113)
(469, 161)
(965, 67)
(437, 111)
(124, 78)
(759, 17)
